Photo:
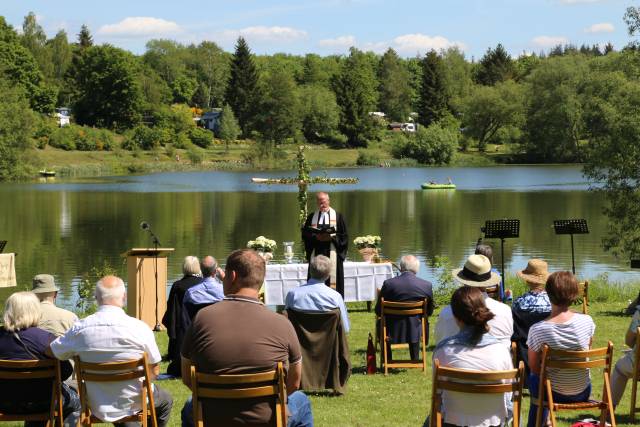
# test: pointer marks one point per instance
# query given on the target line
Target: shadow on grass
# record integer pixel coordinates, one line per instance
(613, 314)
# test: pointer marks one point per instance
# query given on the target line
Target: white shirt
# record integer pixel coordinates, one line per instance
(474, 410)
(109, 335)
(501, 326)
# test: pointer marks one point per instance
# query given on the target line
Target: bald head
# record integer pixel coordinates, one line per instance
(110, 291)
(209, 266)
(322, 199)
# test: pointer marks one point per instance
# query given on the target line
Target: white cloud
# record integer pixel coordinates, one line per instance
(421, 43)
(339, 42)
(603, 27)
(140, 26)
(262, 34)
(549, 41)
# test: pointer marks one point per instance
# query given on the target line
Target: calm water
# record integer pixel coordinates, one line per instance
(65, 228)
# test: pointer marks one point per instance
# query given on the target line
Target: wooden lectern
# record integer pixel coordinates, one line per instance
(147, 284)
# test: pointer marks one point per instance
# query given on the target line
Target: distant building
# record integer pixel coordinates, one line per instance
(211, 119)
(63, 115)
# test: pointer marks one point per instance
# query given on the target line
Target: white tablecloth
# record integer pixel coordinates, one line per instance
(361, 279)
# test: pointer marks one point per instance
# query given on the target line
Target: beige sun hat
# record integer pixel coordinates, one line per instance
(476, 272)
(43, 283)
(536, 273)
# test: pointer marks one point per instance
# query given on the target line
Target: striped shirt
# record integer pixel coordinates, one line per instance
(575, 334)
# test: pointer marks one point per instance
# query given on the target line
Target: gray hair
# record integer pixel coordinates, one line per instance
(409, 263)
(320, 267)
(106, 294)
(209, 266)
(21, 311)
(191, 266)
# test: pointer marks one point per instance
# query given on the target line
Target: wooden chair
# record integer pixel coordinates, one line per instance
(565, 359)
(240, 386)
(514, 353)
(583, 289)
(635, 378)
(116, 372)
(407, 309)
(476, 382)
(29, 370)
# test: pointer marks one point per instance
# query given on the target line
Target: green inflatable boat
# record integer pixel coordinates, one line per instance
(430, 186)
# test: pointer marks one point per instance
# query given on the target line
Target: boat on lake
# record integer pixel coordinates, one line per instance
(47, 173)
(437, 186)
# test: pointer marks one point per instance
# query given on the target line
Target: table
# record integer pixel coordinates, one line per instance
(362, 280)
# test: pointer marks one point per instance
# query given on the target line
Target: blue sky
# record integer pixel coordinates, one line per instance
(331, 26)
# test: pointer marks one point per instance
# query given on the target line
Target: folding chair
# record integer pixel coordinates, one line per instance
(239, 386)
(635, 378)
(514, 353)
(566, 359)
(403, 309)
(476, 382)
(116, 372)
(28, 370)
(583, 290)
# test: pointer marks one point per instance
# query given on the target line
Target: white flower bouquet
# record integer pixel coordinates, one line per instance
(262, 244)
(367, 241)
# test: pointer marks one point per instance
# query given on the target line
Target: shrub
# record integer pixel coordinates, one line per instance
(195, 155)
(63, 138)
(200, 137)
(43, 129)
(83, 140)
(143, 137)
(181, 140)
(366, 158)
(433, 145)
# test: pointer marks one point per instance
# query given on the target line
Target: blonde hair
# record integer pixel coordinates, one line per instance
(191, 266)
(21, 311)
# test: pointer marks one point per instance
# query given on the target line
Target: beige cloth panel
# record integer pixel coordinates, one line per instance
(7, 270)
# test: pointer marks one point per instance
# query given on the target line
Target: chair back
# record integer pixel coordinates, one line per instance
(403, 309)
(240, 386)
(395, 308)
(475, 382)
(109, 372)
(577, 359)
(583, 292)
(28, 370)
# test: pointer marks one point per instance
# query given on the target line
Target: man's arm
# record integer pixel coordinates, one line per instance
(185, 365)
(630, 338)
(534, 361)
(155, 371)
(293, 376)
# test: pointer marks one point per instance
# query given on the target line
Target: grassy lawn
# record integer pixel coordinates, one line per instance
(402, 398)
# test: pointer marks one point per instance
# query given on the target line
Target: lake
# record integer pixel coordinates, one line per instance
(67, 227)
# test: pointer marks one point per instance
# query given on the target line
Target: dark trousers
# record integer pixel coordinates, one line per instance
(70, 405)
(534, 382)
(414, 350)
(163, 402)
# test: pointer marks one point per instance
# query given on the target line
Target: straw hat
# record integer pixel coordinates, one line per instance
(476, 272)
(43, 283)
(536, 272)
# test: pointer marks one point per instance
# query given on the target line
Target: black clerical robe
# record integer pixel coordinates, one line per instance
(340, 240)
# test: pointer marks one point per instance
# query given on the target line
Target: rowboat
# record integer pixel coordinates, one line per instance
(45, 172)
(436, 186)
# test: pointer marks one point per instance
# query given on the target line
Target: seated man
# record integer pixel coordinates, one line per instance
(403, 288)
(496, 292)
(623, 370)
(240, 335)
(54, 319)
(174, 319)
(315, 295)
(110, 335)
(208, 292)
(477, 273)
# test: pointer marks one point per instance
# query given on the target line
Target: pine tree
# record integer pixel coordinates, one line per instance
(242, 91)
(394, 89)
(497, 66)
(434, 96)
(85, 39)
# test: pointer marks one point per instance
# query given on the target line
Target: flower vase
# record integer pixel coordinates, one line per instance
(368, 254)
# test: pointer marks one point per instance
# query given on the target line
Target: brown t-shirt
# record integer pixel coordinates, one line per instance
(240, 335)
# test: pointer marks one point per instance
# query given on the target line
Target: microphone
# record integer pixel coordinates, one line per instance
(144, 225)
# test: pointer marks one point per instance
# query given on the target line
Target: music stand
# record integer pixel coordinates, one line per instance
(571, 227)
(635, 263)
(3, 243)
(501, 229)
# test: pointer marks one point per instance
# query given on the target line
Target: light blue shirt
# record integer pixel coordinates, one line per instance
(208, 292)
(316, 296)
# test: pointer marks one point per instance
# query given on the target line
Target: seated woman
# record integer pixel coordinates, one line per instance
(562, 330)
(624, 367)
(473, 348)
(532, 307)
(20, 339)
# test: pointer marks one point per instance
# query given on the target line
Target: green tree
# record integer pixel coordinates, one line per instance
(434, 145)
(434, 94)
(458, 76)
(495, 66)
(34, 38)
(212, 69)
(395, 92)
(280, 111)
(355, 88)
(229, 129)
(109, 94)
(242, 92)
(85, 39)
(488, 109)
(184, 87)
(15, 130)
(320, 113)
(553, 122)
(61, 55)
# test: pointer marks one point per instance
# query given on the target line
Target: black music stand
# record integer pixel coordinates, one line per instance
(3, 243)
(635, 263)
(501, 229)
(571, 227)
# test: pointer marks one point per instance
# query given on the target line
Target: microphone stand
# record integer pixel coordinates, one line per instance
(156, 243)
